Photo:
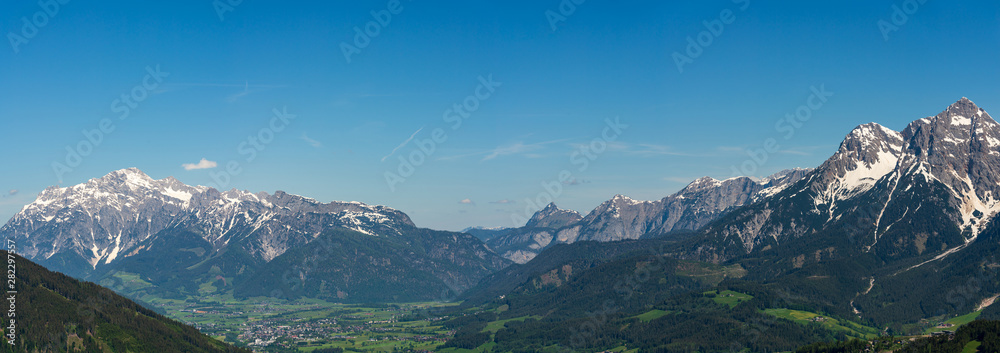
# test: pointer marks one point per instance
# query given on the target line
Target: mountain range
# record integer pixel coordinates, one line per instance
(894, 228)
(621, 217)
(79, 228)
(894, 233)
(942, 171)
(181, 237)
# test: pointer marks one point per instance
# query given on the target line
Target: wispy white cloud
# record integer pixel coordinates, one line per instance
(681, 180)
(203, 164)
(237, 96)
(533, 115)
(516, 148)
(808, 150)
(310, 141)
(402, 144)
(795, 152)
(369, 127)
(648, 149)
(245, 85)
(731, 149)
(575, 181)
(533, 150)
(464, 155)
(639, 149)
(10, 193)
(504, 201)
(344, 100)
(467, 202)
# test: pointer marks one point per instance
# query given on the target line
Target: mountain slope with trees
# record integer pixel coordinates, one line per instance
(56, 313)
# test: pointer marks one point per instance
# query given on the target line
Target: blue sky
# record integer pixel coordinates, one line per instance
(222, 77)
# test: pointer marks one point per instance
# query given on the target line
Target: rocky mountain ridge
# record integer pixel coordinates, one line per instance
(942, 170)
(621, 217)
(105, 219)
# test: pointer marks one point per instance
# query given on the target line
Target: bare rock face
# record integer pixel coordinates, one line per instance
(696, 205)
(105, 219)
(942, 172)
(623, 218)
(960, 147)
(553, 217)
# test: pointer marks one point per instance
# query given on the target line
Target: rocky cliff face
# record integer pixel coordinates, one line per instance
(960, 147)
(553, 217)
(105, 219)
(180, 238)
(623, 218)
(700, 202)
(941, 171)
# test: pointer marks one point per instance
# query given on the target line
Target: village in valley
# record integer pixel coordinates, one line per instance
(272, 325)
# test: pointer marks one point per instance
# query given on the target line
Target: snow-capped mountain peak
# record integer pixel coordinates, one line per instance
(701, 184)
(960, 147)
(622, 199)
(106, 217)
(553, 217)
(942, 170)
(868, 153)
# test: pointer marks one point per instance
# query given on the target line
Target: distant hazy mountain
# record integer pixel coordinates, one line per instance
(691, 208)
(553, 217)
(343, 265)
(179, 235)
(522, 244)
(623, 218)
(485, 233)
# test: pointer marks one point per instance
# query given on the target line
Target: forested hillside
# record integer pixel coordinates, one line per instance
(56, 313)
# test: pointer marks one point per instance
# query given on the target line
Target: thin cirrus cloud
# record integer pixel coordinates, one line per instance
(680, 180)
(532, 150)
(237, 96)
(310, 141)
(203, 164)
(731, 149)
(246, 86)
(515, 148)
(807, 150)
(467, 202)
(575, 181)
(527, 150)
(649, 150)
(248, 89)
(504, 201)
(636, 149)
(795, 150)
(401, 145)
